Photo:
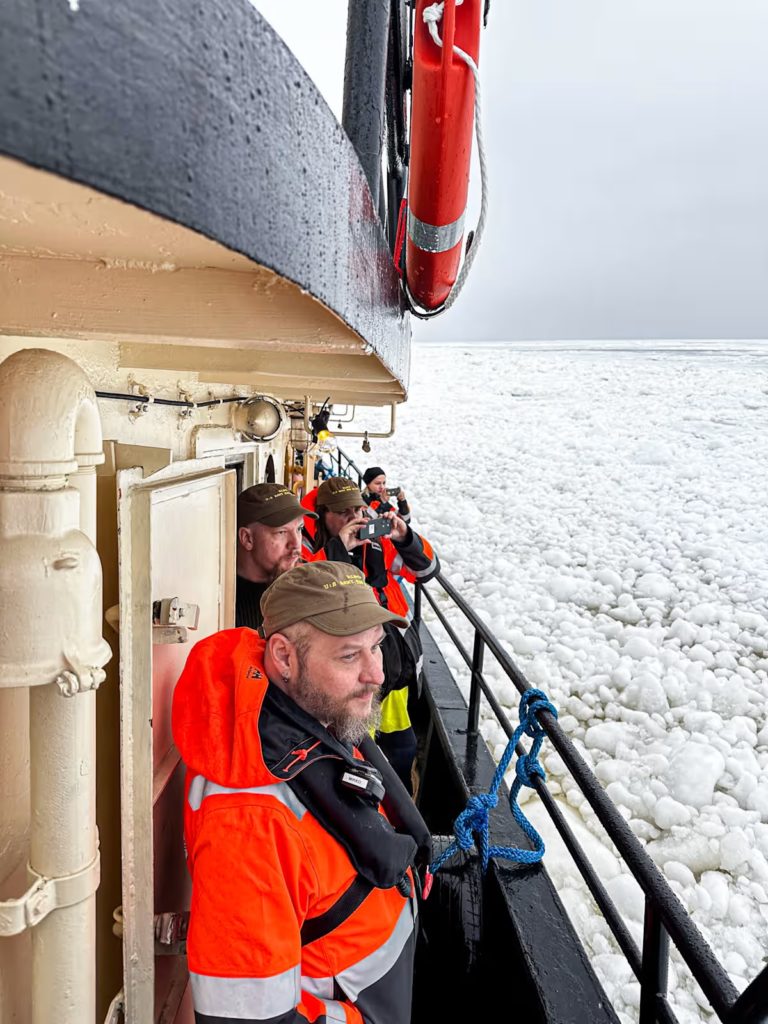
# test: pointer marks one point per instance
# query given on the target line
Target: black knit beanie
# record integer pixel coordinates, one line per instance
(371, 473)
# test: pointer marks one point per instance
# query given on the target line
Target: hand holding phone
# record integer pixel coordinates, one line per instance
(375, 528)
(348, 534)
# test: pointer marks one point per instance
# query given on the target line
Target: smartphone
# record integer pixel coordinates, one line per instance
(376, 528)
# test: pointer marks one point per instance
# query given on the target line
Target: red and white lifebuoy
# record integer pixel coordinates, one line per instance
(442, 113)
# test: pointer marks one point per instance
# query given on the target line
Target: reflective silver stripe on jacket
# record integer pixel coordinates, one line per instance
(366, 972)
(247, 998)
(200, 788)
(335, 1011)
(320, 987)
(425, 572)
(434, 237)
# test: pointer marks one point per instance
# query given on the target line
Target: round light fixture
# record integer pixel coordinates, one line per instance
(259, 419)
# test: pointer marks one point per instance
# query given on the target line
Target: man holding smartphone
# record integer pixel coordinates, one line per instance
(335, 536)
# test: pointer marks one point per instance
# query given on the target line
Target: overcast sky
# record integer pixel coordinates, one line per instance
(629, 166)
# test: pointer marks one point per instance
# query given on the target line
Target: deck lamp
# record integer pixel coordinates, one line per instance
(319, 424)
(259, 418)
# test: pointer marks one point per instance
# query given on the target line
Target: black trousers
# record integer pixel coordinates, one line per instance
(400, 750)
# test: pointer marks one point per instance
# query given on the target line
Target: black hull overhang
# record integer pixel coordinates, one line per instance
(200, 115)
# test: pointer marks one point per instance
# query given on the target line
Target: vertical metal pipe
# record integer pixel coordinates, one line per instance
(64, 840)
(15, 957)
(417, 604)
(751, 1004)
(64, 833)
(51, 612)
(655, 966)
(478, 654)
(84, 482)
(365, 68)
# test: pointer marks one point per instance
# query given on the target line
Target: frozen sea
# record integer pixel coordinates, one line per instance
(604, 508)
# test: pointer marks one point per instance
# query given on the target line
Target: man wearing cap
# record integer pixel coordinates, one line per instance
(333, 536)
(378, 496)
(302, 844)
(269, 535)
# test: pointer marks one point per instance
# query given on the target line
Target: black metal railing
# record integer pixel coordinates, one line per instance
(665, 916)
(346, 467)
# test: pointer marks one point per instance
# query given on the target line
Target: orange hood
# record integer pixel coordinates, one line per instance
(216, 708)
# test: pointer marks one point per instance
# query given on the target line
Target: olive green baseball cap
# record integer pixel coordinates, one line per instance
(271, 504)
(339, 493)
(333, 596)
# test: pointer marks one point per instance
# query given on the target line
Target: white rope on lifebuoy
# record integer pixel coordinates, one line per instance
(432, 16)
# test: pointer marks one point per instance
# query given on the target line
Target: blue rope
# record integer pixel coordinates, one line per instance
(473, 820)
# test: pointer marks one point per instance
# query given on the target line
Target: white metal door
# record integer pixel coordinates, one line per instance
(176, 540)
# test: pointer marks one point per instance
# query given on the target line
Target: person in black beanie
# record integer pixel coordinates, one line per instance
(377, 495)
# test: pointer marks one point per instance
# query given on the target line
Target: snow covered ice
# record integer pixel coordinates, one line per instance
(605, 511)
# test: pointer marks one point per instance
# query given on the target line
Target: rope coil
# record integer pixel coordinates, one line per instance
(471, 828)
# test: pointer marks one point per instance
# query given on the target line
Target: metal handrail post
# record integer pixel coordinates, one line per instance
(478, 653)
(655, 966)
(751, 1006)
(417, 604)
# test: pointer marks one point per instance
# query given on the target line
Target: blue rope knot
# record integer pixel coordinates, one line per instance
(473, 820)
(527, 766)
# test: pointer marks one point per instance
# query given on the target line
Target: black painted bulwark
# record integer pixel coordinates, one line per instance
(531, 965)
(198, 112)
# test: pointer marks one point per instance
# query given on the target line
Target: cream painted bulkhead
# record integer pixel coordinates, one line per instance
(162, 441)
(128, 305)
(144, 262)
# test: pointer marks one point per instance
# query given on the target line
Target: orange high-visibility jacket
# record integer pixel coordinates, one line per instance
(284, 927)
(379, 560)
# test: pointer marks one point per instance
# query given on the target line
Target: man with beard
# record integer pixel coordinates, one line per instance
(302, 843)
(269, 528)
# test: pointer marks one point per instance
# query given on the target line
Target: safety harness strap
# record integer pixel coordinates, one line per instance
(317, 927)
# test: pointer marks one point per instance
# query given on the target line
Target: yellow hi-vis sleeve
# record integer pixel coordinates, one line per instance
(394, 711)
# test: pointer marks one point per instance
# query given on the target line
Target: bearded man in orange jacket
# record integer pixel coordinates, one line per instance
(302, 843)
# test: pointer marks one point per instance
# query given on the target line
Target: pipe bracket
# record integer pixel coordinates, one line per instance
(46, 895)
(79, 678)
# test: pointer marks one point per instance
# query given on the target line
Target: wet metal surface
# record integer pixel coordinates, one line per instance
(198, 112)
(365, 68)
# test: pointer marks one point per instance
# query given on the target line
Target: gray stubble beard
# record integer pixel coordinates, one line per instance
(346, 726)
